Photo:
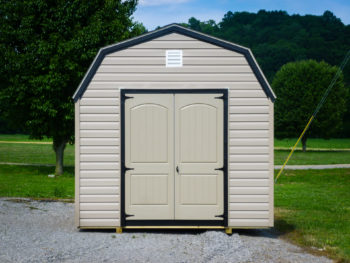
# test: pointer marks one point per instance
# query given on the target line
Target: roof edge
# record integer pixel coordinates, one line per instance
(174, 28)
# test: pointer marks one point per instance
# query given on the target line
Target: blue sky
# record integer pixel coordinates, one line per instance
(153, 13)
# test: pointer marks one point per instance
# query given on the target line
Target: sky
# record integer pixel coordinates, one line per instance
(153, 13)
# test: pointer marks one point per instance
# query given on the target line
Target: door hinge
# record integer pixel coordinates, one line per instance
(222, 215)
(127, 215)
(124, 168)
(127, 97)
(223, 97)
(127, 169)
(220, 169)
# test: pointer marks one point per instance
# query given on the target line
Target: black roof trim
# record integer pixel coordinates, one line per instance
(173, 28)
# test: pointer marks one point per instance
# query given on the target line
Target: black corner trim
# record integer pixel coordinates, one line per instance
(174, 28)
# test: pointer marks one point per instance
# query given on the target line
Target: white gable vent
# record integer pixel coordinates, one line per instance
(174, 58)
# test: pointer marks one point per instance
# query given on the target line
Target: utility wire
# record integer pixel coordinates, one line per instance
(320, 104)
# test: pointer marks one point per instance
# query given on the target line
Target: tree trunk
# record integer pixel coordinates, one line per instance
(59, 150)
(303, 141)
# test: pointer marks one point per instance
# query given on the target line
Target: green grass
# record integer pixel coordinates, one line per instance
(289, 142)
(313, 209)
(20, 138)
(33, 181)
(315, 143)
(312, 157)
(43, 153)
(33, 153)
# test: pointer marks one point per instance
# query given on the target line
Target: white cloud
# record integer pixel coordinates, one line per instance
(161, 2)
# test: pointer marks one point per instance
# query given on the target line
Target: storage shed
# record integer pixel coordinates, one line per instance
(174, 128)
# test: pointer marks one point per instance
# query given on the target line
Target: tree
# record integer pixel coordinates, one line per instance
(299, 87)
(46, 48)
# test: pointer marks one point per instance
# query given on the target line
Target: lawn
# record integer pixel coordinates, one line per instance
(311, 143)
(20, 138)
(43, 153)
(33, 181)
(33, 153)
(315, 143)
(312, 157)
(313, 209)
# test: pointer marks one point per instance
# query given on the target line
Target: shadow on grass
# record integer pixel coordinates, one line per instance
(281, 228)
(68, 171)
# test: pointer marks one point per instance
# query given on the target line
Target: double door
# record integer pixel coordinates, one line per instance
(173, 156)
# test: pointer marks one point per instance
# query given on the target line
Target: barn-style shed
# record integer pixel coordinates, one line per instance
(174, 128)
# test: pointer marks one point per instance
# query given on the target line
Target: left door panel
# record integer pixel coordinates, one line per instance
(149, 152)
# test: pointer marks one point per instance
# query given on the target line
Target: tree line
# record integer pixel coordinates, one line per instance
(276, 38)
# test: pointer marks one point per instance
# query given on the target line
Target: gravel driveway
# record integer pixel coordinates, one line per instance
(33, 231)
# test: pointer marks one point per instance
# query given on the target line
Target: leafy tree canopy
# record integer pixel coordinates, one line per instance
(277, 38)
(46, 48)
(299, 87)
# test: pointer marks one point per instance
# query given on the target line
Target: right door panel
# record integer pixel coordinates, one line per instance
(198, 153)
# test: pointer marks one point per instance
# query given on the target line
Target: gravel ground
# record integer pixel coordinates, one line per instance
(33, 231)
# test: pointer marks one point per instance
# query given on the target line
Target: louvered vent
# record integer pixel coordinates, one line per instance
(174, 58)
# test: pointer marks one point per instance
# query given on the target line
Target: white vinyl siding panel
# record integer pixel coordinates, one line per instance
(205, 66)
(99, 134)
(248, 222)
(92, 182)
(108, 223)
(99, 149)
(104, 85)
(98, 190)
(99, 173)
(99, 206)
(237, 206)
(197, 77)
(161, 69)
(103, 198)
(240, 190)
(99, 141)
(99, 214)
(99, 157)
(249, 158)
(99, 183)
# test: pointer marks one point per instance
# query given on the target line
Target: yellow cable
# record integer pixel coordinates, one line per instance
(319, 105)
(290, 154)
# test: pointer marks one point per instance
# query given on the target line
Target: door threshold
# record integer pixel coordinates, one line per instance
(173, 227)
(174, 222)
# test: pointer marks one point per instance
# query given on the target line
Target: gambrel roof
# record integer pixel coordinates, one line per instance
(174, 28)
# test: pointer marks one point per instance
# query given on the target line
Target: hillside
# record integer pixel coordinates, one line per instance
(275, 37)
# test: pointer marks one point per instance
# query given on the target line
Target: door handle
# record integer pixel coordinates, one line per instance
(177, 169)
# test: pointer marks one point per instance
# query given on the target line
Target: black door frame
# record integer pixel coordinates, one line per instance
(123, 169)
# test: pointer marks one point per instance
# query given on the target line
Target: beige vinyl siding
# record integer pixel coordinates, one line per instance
(205, 66)
(77, 164)
(271, 167)
(250, 192)
(99, 159)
